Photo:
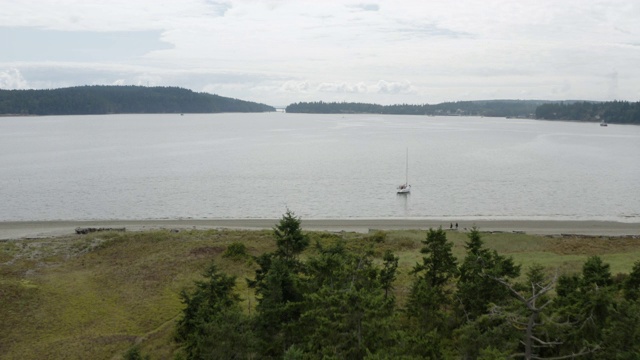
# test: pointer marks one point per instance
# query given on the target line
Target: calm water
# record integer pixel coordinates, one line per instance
(319, 166)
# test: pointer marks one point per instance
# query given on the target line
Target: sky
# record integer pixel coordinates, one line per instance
(280, 52)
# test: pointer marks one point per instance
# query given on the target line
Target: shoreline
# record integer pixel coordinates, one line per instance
(15, 230)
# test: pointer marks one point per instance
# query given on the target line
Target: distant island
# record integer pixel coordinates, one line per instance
(620, 112)
(497, 108)
(84, 100)
(614, 112)
(106, 99)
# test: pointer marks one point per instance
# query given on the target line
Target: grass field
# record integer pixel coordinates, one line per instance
(94, 296)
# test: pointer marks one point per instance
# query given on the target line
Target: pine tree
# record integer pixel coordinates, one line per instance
(477, 288)
(278, 287)
(212, 325)
(347, 311)
(430, 296)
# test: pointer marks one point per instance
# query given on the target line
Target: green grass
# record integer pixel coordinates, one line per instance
(96, 295)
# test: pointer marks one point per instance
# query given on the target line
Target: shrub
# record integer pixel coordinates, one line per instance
(134, 354)
(235, 251)
(378, 237)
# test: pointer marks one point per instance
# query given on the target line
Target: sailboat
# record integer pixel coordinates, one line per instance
(405, 188)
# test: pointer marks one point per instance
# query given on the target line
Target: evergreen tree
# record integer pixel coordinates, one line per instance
(212, 325)
(439, 265)
(595, 273)
(388, 272)
(429, 299)
(290, 240)
(586, 301)
(632, 283)
(477, 288)
(278, 287)
(347, 313)
(529, 313)
(621, 337)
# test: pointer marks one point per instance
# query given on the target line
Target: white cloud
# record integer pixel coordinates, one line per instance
(295, 86)
(366, 7)
(11, 79)
(342, 87)
(385, 87)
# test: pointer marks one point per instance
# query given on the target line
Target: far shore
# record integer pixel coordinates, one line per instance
(43, 229)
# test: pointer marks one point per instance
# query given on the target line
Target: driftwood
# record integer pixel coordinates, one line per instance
(87, 230)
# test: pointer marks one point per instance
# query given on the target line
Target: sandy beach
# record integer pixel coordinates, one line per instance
(40, 229)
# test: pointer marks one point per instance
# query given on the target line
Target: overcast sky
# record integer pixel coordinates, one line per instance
(283, 51)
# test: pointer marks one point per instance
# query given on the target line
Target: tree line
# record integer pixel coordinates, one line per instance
(338, 302)
(497, 108)
(619, 112)
(83, 100)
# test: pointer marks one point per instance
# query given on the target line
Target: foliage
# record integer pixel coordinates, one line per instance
(212, 325)
(489, 333)
(499, 108)
(586, 302)
(529, 313)
(619, 112)
(134, 354)
(346, 312)
(228, 335)
(119, 100)
(235, 251)
(632, 283)
(290, 241)
(430, 298)
(388, 272)
(379, 236)
(439, 264)
(477, 288)
(278, 287)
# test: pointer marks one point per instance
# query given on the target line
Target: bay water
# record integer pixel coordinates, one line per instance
(218, 166)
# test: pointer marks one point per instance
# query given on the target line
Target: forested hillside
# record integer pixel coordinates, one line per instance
(618, 112)
(119, 100)
(499, 108)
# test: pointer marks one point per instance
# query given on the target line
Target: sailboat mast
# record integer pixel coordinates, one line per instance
(406, 179)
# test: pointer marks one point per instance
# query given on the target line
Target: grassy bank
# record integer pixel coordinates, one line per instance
(96, 295)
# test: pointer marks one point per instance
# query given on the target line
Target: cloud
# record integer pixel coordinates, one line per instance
(366, 7)
(424, 30)
(342, 87)
(295, 86)
(12, 79)
(219, 8)
(385, 87)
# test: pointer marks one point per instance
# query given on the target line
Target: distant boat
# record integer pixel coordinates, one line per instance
(405, 188)
(603, 123)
